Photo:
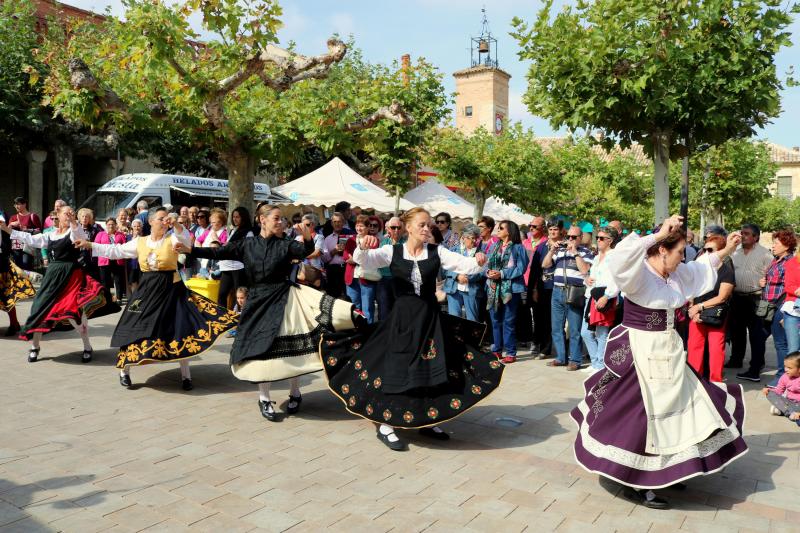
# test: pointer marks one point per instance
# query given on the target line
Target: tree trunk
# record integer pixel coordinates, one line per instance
(661, 143)
(480, 201)
(241, 176)
(65, 169)
(685, 184)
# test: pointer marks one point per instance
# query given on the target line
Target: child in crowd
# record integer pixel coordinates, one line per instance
(241, 298)
(785, 396)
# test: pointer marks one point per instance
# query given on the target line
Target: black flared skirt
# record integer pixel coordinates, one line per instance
(164, 321)
(417, 368)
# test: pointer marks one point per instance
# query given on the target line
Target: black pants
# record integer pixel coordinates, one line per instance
(524, 325)
(229, 282)
(742, 320)
(113, 275)
(542, 329)
(335, 281)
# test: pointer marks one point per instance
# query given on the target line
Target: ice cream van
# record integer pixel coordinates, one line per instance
(162, 189)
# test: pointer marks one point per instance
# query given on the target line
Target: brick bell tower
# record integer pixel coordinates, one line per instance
(482, 89)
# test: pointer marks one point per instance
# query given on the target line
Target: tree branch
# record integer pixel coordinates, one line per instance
(393, 112)
(81, 77)
(291, 67)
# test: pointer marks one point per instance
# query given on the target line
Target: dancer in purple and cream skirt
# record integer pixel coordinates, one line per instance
(649, 421)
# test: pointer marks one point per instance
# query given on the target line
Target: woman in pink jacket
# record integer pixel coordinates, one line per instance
(112, 272)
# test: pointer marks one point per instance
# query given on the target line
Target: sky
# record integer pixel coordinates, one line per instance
(440, 31)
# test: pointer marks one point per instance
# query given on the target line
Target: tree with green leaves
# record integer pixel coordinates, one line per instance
(728, 182)
(235, 94)
(669, 74)
(511, 166)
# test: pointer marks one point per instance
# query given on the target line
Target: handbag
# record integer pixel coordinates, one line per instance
(765, 310)
(714, 316)
(574, 295)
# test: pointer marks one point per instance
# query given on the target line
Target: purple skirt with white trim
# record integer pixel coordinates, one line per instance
(612, 427)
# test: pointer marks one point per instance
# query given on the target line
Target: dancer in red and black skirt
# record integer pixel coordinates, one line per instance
(163, 321)
(13, 285)
(67, 294)
(418, 367)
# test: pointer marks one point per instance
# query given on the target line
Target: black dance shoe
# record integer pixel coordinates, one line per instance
(293, 407)
(11, 331)
(187, 384)
(87, 356)
(125, 380)
(33, 355)
(433, 434)
(647, 498)
(267, 411)
(397, 445)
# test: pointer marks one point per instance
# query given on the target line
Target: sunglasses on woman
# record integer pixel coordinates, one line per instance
(709, 250)
(394, 227)
(601, 238)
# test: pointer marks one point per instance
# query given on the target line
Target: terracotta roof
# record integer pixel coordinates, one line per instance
(636, 151)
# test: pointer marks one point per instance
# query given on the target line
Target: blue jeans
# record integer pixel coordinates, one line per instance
(561, 312)
(458, 299)
(385, 298)
(595, 343)
(781, 345)
(363, 297)
(504, 326)
(791, 325)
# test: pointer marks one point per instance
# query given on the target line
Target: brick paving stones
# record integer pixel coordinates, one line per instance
(80, 453)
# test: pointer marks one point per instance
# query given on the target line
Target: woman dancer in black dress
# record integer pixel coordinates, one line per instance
(418, 367)
(68, 294)
(281, 323)
(163, 321)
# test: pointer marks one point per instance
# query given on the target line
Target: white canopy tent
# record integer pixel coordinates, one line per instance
(334, 182)
(498, 210)
(436, 198)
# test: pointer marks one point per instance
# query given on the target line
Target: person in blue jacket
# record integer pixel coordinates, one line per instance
(505, 285)
(464, 290)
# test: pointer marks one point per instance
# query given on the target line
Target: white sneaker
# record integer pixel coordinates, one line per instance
(775, 411)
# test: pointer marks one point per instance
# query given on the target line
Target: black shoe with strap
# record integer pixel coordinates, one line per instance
(125, 380)
(396, 445)
(186, 384)
(87, 356)
(293, 407)
(647, 498)
(434, 434)
(267, 411)
(33, 355)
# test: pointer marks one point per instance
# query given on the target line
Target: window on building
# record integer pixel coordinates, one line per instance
(468, 111)
(785, 187)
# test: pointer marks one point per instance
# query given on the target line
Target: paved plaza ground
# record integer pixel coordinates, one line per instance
(80, 453)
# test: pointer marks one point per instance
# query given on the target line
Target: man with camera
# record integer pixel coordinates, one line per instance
(571, 262)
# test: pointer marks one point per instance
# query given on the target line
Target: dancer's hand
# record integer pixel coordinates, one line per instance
(734, 239)
(83, 244)
(181, 248)
(481, 258)
(672, 223)
(369, 241)
(302, 229)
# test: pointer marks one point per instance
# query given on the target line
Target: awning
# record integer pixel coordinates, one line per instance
(272, 197)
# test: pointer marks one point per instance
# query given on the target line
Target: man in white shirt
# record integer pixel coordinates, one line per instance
(332, 249)
(750, 263)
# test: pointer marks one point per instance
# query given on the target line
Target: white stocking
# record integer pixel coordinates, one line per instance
(389, 432)
(126, 371)
(185, 372)
(294, 387)
(36, 340)
(263, 392)
(83, 331)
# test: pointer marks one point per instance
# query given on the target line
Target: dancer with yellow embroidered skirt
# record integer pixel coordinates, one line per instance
(163, 321)
(13, 285)
(281, 323)
(68, 295)
(649, 420)
(418, 367)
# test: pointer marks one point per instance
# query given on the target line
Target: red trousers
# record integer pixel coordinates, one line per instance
(698, 335)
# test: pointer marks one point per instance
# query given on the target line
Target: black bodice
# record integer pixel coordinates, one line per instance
(62, 250)
(401, 273)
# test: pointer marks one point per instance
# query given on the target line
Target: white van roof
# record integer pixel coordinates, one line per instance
(191, 185)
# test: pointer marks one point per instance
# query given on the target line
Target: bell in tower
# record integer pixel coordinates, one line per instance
(482, 89)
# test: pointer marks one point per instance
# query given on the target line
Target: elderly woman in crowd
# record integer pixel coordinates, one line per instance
(784, 243)
(463, 290)
(601, 299)
(508, 261)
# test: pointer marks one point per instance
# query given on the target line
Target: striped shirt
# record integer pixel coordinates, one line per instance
(566, 260)
(750, 268)
(775, 279)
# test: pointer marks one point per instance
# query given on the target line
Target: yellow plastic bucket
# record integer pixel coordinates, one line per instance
(205, 287)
